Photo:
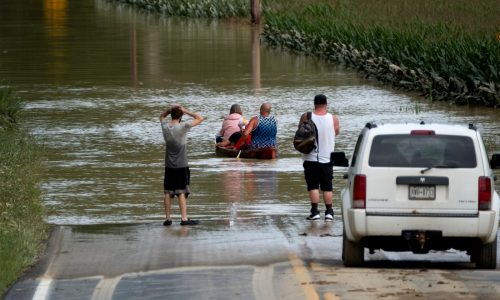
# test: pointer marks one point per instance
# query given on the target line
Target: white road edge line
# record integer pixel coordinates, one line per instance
(43, 289)
(105, 288)
(262, 283)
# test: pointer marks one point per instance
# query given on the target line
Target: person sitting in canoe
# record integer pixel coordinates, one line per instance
(232, 126)
(262, 128)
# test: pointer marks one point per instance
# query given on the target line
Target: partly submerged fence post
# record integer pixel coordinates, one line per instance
(255, 11)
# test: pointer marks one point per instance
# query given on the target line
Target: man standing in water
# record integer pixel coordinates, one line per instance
(177, 176)
(318, 169)
(263, 129)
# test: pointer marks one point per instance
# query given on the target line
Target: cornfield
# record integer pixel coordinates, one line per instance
(447, 49)
(195, 8)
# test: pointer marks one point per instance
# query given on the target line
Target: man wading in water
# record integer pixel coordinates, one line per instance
(176, 180)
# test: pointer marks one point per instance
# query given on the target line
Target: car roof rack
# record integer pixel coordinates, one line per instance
(472, 126)
(371, 125)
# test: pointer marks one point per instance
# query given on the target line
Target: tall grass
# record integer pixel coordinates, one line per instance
(10, 106)
(195, 8)
(447, 47)
(22, 228)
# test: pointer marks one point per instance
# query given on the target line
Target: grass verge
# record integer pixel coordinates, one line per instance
(22, 228)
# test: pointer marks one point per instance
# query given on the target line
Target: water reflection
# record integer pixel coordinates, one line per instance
(255, 42)
(133, 53)
(55, 18)
(56, 31)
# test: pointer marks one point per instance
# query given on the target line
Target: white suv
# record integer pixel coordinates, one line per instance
(420, 187)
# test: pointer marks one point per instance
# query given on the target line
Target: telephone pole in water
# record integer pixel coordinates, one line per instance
(255, 11)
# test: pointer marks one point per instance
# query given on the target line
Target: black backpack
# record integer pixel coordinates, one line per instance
(306, 136)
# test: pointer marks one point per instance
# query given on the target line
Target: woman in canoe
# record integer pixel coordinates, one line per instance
(232, 126)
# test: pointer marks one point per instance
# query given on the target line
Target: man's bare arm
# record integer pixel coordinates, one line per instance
(250, 126)
(336, 124)
(164, 115)
(197, 118)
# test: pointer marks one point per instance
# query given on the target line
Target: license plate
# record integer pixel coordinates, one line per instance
(422, 192)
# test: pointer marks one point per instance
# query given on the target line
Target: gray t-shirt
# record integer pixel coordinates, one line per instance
(175, 141)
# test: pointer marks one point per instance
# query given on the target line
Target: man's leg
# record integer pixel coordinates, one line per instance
(167, 202)
(314, 197)
(327, 188)
(182, 206)
(328, 198)
(310, 174)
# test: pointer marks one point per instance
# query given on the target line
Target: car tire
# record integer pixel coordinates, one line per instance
(353, 254)
(487, 256)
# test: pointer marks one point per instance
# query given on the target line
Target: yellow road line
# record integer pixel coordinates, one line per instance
(303, 277)
(330, 296)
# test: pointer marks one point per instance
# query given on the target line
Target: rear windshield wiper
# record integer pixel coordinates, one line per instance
(449, 166)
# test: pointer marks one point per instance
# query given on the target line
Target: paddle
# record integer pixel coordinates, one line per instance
(241, 142)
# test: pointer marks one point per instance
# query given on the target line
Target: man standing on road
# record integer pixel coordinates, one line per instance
(177, 176)
(318, 169)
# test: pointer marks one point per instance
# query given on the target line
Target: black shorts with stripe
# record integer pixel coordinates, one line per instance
(318, 175)
(176, 181)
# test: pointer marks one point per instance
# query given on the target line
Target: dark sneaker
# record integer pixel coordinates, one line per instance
(329, 216)
(190, 222)
(167, 223)
(314, 216)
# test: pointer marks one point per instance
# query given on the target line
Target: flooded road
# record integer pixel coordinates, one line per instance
(95, 77)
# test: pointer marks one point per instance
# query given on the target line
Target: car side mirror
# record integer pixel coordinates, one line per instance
(495, 161)
(338, 159)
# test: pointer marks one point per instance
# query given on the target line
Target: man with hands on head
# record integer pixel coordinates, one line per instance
(177, 175)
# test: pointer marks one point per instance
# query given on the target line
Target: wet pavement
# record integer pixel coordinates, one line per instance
(272, 257)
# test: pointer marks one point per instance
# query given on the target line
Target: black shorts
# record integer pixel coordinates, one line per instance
(235, 137)
(176, 181)
(318, 175)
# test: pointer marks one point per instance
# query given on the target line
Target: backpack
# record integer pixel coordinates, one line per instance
(306, 136)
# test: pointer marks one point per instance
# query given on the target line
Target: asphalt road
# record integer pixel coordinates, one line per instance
(274, 257)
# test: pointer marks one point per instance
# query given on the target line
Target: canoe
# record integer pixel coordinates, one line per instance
(264, 153)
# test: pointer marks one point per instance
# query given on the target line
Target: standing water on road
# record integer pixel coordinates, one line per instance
(95, 77)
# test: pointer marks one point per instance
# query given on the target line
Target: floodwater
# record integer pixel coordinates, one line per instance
(96, 75)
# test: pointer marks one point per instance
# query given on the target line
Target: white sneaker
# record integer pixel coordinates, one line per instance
(314, 216)
(328, 217)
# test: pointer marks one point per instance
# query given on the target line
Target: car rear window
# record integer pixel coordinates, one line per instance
(422, 151)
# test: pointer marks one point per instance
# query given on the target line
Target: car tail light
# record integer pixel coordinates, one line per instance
(422, 132)
(359, 191)
(484, 193)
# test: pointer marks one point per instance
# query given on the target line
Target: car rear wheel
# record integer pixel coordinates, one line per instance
(487, 256)
(353, 253)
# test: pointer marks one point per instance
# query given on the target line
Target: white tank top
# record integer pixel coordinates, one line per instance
(326, 139)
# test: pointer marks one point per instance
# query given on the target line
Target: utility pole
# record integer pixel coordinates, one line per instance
(255, 11)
